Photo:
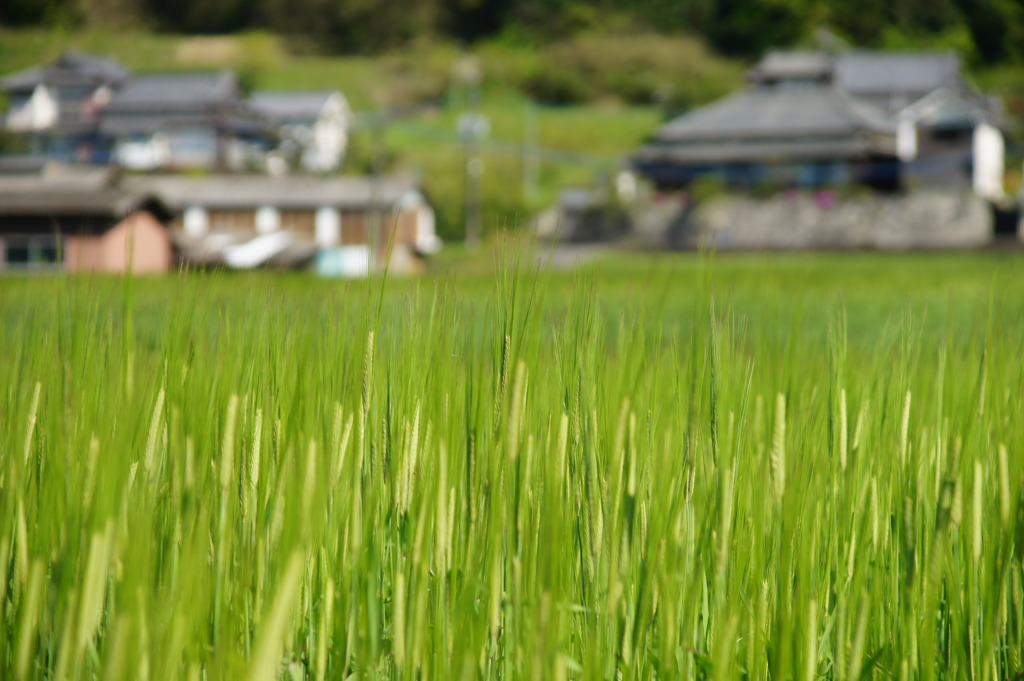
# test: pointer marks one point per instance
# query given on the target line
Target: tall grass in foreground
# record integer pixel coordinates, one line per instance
(225, 480)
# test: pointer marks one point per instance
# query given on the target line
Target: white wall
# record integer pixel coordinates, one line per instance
(143, 153)
(328, 139)
(38, 112)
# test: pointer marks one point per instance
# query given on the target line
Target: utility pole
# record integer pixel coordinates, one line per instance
(474, 171)
(530, 159)
(373, 236)
(473, 127)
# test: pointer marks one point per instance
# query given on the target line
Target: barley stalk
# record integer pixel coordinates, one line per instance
(976, 508)
(29, 620)
(1004, 487)
(33, 413)
(154, 433)
(842, 429)
(267, 651)
(904, 430)
(811, 641)
(777, 459)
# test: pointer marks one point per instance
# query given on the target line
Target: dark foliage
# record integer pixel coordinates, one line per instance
(993, 29)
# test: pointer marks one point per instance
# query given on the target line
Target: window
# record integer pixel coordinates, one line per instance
(31, 252)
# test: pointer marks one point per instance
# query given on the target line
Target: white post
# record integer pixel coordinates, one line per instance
(328, 227)
(268, 219)
(906, 138)
(988, 151)
(196, 221)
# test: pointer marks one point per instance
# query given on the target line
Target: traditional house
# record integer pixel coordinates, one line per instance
(80, 220)
(58, 105)
(313, 126)
(343, 225)
(789, 135)
(950, 134)
(884, 119)
(185, 120)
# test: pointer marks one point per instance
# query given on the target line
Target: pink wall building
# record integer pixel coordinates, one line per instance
(81, 220)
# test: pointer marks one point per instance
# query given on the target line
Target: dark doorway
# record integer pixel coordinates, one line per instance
(1005, 221)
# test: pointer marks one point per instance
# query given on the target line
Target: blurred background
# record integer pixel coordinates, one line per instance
(656, 123)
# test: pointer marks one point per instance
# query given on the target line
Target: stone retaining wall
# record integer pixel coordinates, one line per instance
(925, 219)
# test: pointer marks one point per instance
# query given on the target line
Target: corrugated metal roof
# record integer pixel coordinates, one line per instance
(60, 177)
(106, 203)
(870, 72)
(289, 191)
(60, 191)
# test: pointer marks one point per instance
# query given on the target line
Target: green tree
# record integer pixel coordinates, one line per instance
(997, 27)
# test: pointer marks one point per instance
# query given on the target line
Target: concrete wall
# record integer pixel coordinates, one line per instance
(139, 238)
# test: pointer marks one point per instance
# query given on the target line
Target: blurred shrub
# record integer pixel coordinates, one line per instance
(707, 188)
(558, 83)
(631, 67)
(417, 76)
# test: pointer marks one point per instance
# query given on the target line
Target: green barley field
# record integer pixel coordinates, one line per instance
(745, 467)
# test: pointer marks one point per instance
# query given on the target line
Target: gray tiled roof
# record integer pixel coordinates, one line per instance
(174, 90)
(870, 72)
(771, 123)
(71, 66)
(102, 68)
(284, 105)
(290, 191)
(792, 64)
(24, 80)
(747, 151)
(776, 112)
(150, 122)
(149, 103)
(945, 107)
